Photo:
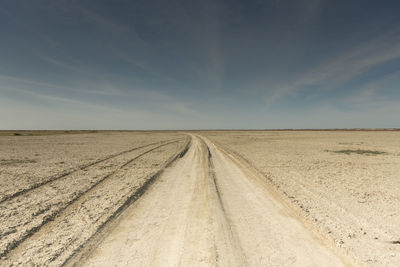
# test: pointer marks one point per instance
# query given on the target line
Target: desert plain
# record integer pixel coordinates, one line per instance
(200, 198)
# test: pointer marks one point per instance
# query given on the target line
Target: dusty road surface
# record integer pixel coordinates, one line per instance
(209, 209)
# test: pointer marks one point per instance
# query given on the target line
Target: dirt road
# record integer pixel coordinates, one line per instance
(208, 209)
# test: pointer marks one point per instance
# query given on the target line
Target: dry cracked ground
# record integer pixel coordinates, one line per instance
(264, 198)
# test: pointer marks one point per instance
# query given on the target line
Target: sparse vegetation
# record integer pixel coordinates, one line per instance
(43, 132)
(16, 161)
(359, 151)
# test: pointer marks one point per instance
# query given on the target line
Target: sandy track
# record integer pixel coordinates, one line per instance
(81, 206)
(209, 210)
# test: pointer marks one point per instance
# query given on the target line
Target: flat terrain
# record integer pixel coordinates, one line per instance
(262, 198)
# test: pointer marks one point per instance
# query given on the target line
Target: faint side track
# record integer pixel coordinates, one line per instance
(26, 214)
(64, 173)
(91, 243)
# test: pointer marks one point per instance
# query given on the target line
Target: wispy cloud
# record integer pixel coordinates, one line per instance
(30, 81)
(102, 21)
(372, 93)
(54, 98)
(331, 73)
(103, 89)
(357, 60)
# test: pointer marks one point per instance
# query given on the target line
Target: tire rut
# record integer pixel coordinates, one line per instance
(236, 244)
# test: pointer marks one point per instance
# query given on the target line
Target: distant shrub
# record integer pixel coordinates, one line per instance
(16, 161)
(17, 134)
(360, 152)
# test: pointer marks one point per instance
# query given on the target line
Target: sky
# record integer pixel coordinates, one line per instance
(206, 64)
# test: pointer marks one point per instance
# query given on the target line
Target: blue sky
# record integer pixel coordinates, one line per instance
(210, 64)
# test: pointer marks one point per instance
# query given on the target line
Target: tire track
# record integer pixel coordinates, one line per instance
(65, 173)
(24, 223)
(222, 217)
